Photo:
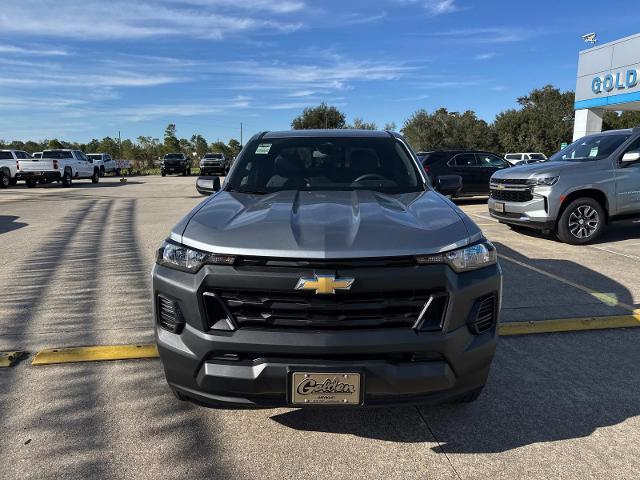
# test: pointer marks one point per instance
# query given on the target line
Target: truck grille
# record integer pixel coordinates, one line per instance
(483, 315)
(305, 310)
(512, 195)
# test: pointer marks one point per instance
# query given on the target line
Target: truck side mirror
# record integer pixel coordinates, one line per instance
(631, 157)
(207, 185)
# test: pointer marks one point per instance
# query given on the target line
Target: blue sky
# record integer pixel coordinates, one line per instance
(78, 70)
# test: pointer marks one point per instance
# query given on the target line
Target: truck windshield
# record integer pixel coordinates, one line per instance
(173, 156)
(326, 163)
(213, 155)
(593, 147)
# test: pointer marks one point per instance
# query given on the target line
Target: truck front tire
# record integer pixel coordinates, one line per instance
(5, 180)
(95, 178)
(581, 222)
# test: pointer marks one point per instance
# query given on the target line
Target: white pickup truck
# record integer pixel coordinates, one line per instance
(60, 165)
(103, 161)
(9, 171)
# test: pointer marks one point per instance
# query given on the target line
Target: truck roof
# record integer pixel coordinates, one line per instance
(343, 132)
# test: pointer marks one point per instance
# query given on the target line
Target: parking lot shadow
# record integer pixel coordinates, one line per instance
(542, 388)
(8, 223)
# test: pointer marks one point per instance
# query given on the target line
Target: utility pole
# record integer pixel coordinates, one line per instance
(240, 134)
(119, 145)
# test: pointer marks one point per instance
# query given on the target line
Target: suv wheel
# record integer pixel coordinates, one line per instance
(67, 179)
(581, 222)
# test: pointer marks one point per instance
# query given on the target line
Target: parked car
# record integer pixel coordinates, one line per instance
(590, 183)
(327, 271)
(214, 164)
(517, 158)
(62, 165)
(9, 167)
(175, 163)
(475, 168)
(104, 162)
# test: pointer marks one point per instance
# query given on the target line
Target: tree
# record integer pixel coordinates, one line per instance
(221, 147)
(199, 144)
(360, 124)
(234, 147)
(323, 116)
(54, 144)
(108, 145)
(543, 122)
(448, 130)
(390, 126)
(171, 143)
(150, 150)
(616, 120)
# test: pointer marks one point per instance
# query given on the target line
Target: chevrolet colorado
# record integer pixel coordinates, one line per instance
(327, 270)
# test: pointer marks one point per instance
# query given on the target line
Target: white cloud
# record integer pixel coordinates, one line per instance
(119, 19)
(436, 7)
(44, 52)
(485, 56)
(489, 35)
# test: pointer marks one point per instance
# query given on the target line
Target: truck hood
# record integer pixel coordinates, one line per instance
(543, 169)
(331, 224)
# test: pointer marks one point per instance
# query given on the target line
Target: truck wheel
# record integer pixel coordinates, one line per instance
(581, 222)
(95, 178)
(31, 182)
(67, 179)
(163, 173)
(102, 172)
(5, 180)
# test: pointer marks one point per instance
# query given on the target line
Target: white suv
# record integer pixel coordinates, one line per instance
(524, 158)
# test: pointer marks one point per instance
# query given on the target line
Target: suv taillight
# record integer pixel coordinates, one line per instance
(55, 164)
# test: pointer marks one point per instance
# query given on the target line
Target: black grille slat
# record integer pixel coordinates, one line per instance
(510, 181)
(306, 310)
(512, 195)
(169, 315)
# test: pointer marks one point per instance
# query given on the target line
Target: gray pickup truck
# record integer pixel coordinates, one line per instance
(590, 183)
(326, 271)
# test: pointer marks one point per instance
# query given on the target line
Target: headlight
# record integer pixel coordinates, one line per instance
(464, 259)
(543, 181)
(177, 256)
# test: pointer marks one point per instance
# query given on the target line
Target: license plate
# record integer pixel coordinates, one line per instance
(499, 207)
(313, 388)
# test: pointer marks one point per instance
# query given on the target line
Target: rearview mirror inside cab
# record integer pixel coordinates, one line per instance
(207, 185)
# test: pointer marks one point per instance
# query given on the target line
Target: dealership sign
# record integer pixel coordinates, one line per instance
(618, 81)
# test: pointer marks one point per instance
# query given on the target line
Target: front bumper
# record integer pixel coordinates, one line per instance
(212, 170)
(448, 363)
(533, 213)
(173, 168)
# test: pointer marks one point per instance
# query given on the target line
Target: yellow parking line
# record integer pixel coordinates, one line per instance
(94, 354)
(569, 325)
(9, 359)
(606, 298)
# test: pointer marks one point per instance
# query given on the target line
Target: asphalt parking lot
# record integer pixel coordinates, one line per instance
(75, 271)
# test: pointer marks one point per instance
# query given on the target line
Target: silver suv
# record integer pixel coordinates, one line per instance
(580, 189)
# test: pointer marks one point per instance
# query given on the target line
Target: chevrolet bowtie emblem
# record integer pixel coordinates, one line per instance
(324, 284)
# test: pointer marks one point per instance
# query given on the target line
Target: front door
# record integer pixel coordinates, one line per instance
(628, 183)
(466, 165)
(488, 165)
